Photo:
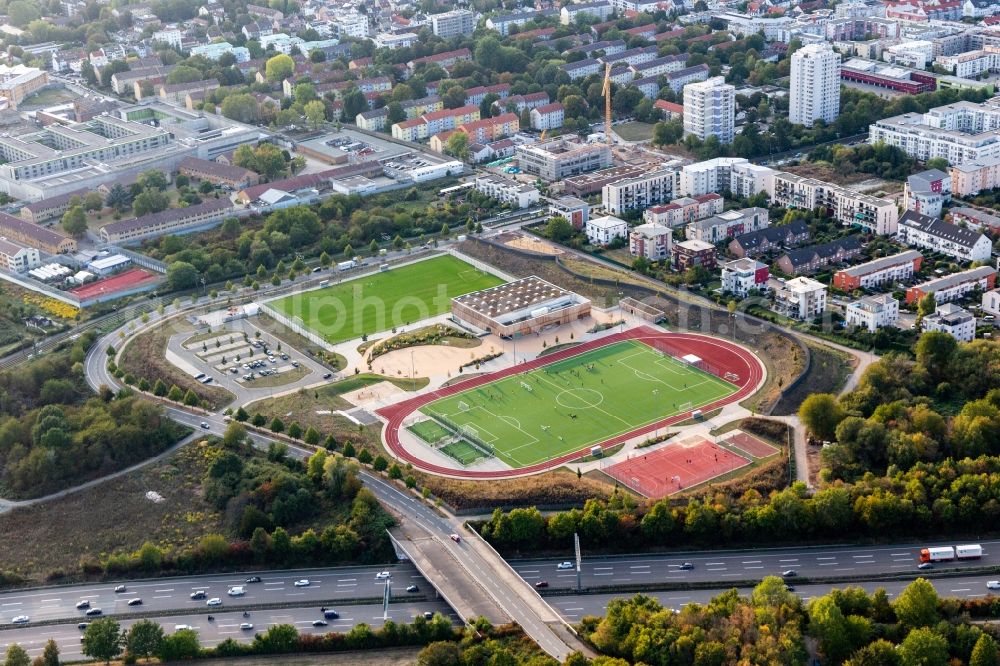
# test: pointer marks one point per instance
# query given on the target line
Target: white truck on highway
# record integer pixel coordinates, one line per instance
(971, 551)
(346, 265)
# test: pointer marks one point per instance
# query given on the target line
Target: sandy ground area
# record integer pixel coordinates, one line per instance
(373, 393)
(533, 244)
(428, 360)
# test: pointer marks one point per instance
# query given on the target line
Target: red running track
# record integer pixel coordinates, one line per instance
(715, 351)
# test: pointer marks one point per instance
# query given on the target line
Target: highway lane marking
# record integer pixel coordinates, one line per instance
(165, 596)
(845, 569)
(714, 564)
(604, 574)
(603, 568)
(731, 574)
(51, 601)
(169, 589)
(795, 559)
(827, 564)
(907, 559)
(760, 567)
(963, 589)
(970, 596)
(899, 566)
(13, 603)
(901, 554)
(639, 566)
(863, 557)
(295, 594)
(826, 558)
(750, 562)
(717, 569)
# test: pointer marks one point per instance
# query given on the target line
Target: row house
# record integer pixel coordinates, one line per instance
(685, 210)
(478, 94)
(519, 103)
(936, 235)
(491, 129)
(954, 286)
(894, 268)
(973, 217)
(808, 260)
(433, 123)
(771, 239)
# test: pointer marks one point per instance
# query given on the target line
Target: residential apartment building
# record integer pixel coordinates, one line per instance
(504, 22)
(954, 286)
(747, 180)
(685, 210)
(975, 218)
(878, 216)
(434, 122)
(894, 268)
(729, 224)
(492, 129)
(18, 258)
(547, 117)
(605, 229)
(960, 132)
(872, 312)
(560, 158)
(170, 221)
(508, 191)
(952, 319)
(638, 192)
(42, 238)
(676, 81)
(443, 60)
(936, 235)
(651, 241)
(768, 240)
(741, 276)
(477, 94)
(455, 23)
(18, 82)
(810, 259)
(971, 178)
(577, 211)
(991, 302)
(599, 10)
(801, 298)
(814, 92)
(709, 109)
(690, 253)
(926, 192)
(234, 177)
(713, 175)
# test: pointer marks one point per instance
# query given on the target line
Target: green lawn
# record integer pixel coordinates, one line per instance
(462, 451)
(431, 432)
(577, 402)
(634, 131)
(379, 302)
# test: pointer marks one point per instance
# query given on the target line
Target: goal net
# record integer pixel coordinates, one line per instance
(686, 406)
(463, 406)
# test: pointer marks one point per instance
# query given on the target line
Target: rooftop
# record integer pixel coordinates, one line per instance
(512, 296)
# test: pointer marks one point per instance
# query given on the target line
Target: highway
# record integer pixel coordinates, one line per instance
(173, 594)
(574, 607)
(822, 562)
(227, 625)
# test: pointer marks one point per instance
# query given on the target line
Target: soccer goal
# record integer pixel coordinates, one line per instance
(686, 406)
(471, 435)
(463, 406)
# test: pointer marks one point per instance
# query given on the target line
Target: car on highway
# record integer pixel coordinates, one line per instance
(302, 582)
(542, 583)
(198, 594)
(789, 588)
(236, 591)
(252, 579)
(382, 574)
(204, 425)
(789, 573)
(320, 623)
(214, 601)
(455, 538)
(120, 589)
(94, 612)
(247, 626)
(327, 375)
(686, 566)
(82, 626)
(21, 619)
(412, 588)
(135, 602)
(83, 603)
(993, 584)
(428, 615)
(923, 566)
(182, 627)
(330, 614)
(564, 565)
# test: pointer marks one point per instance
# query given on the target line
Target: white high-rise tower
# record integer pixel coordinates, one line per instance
(815, 85)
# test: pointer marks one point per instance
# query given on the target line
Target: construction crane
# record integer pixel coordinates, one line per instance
(607, 102)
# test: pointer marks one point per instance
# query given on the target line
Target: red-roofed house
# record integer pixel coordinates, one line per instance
(444, 60)
(491, 129)
(669, 109)
(432, 123)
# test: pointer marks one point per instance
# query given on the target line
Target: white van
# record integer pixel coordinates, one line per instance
(236, 591)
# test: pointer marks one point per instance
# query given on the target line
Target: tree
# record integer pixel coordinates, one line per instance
(917, 605)
(235, 434)
(269, 161)
(74, 221)
(441, 653)
(50, 654)
(144, 638)
(939, 163)
(923, 647)
(241, 107)
(877, 653)
(354, 103)
(985, 652)
(559, 229)
(828, 624)
(118, 197)
(153, 179)
(821, 413)
(17, 656)
(935, 351)
(182, 275)
(102, 640)
(184, 74)
(21, 13)
(305, 93)
(149, 201)
(179, 645)
(394, 112)
(92, 201)
(457, 145)
(925, 306)
(315, 113)
(279, 68)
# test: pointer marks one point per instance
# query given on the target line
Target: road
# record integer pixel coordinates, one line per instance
(227, 625)
(574, 607)
(174, 594)
(828, 562)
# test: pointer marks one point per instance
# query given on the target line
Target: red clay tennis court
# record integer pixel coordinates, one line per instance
(675, 467)
(127, 280)
(747, 443)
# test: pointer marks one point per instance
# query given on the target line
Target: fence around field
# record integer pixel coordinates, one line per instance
(294, 325)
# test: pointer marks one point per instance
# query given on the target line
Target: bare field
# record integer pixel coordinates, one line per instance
(58, 535)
